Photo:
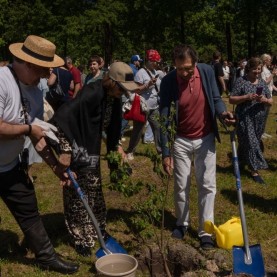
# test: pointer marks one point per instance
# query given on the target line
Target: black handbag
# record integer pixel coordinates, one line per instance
(55, 95)
(56, 91)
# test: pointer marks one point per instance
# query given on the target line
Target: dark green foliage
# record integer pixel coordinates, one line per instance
(117, 29)
(120, 176)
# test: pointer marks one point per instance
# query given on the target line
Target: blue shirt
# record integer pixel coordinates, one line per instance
(134, 68)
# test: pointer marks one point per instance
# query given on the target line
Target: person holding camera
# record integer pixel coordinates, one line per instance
(149, 81)
(21, 102)
(253, 98)
(197, 102)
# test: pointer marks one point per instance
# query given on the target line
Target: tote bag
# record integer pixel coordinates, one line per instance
(135, 113)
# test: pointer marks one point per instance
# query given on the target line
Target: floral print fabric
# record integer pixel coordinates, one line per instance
(251, 116)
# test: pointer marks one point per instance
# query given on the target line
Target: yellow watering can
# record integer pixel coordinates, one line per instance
(228, 234)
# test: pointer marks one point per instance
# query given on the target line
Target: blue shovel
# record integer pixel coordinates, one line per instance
(246, 259)
(110, 245)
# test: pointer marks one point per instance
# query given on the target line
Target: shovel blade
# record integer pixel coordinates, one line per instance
(113, 246)
(256, 267)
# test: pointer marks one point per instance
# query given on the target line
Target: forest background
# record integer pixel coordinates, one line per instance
(117, 29)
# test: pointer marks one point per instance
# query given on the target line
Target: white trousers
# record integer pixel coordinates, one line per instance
(202, 153)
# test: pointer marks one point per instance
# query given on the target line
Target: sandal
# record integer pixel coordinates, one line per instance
(179, 232)
(206, 243)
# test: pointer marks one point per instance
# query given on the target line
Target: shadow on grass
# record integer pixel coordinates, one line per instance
(252, 200)
(272, 164)
(271, 274)
(117, 214)
(11, 249)
(14, 250)
(54, 225)
(126, 216)
(56, 229)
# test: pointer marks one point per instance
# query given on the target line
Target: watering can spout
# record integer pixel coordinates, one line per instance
(228, 234)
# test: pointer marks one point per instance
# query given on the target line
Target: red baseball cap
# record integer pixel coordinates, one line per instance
(153, 55)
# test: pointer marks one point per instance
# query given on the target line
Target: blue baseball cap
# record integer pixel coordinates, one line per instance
(135, 58)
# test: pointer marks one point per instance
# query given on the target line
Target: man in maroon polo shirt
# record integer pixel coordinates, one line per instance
(193, 89)
(76, 77)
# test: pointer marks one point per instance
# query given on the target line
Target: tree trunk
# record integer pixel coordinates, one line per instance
(229, 41)
(182, 27)
(254, 46)
(65, 45)
(249, 39)
(108, 45)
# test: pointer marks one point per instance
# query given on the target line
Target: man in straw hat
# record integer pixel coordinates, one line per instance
(20, 102)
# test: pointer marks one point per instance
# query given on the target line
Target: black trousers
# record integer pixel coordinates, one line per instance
(18, 193)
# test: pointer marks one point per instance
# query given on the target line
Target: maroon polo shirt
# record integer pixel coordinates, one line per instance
(194, 116)
(76, 78)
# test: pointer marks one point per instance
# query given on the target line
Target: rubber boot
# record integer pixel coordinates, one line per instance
(46, 257)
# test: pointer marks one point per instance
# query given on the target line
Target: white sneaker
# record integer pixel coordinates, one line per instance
(130, 156)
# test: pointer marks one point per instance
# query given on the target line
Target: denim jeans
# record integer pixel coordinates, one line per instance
(152, 118)
(148, 135)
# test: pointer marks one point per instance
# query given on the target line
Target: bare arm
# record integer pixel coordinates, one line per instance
(52, 79)
(13, 131)
(146, 86)
(76, 89)
(271, 76)
(264, 100)
(221, 80)
(168, 165)
(71, 85)
(235, 100)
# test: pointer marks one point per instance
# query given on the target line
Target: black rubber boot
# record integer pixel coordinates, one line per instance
(46, 257)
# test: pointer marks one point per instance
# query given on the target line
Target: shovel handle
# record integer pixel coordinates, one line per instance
(91, 214)
(248, 258)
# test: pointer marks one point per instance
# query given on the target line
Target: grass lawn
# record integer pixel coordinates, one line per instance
(260, 209)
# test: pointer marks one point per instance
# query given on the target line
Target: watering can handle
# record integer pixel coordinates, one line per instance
(235, 220)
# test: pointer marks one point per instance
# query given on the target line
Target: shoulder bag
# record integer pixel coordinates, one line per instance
(135, 113)
(56, 90)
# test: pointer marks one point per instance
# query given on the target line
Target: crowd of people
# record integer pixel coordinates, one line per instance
(87, 108)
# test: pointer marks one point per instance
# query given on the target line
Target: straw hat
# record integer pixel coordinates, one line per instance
(37, 50)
